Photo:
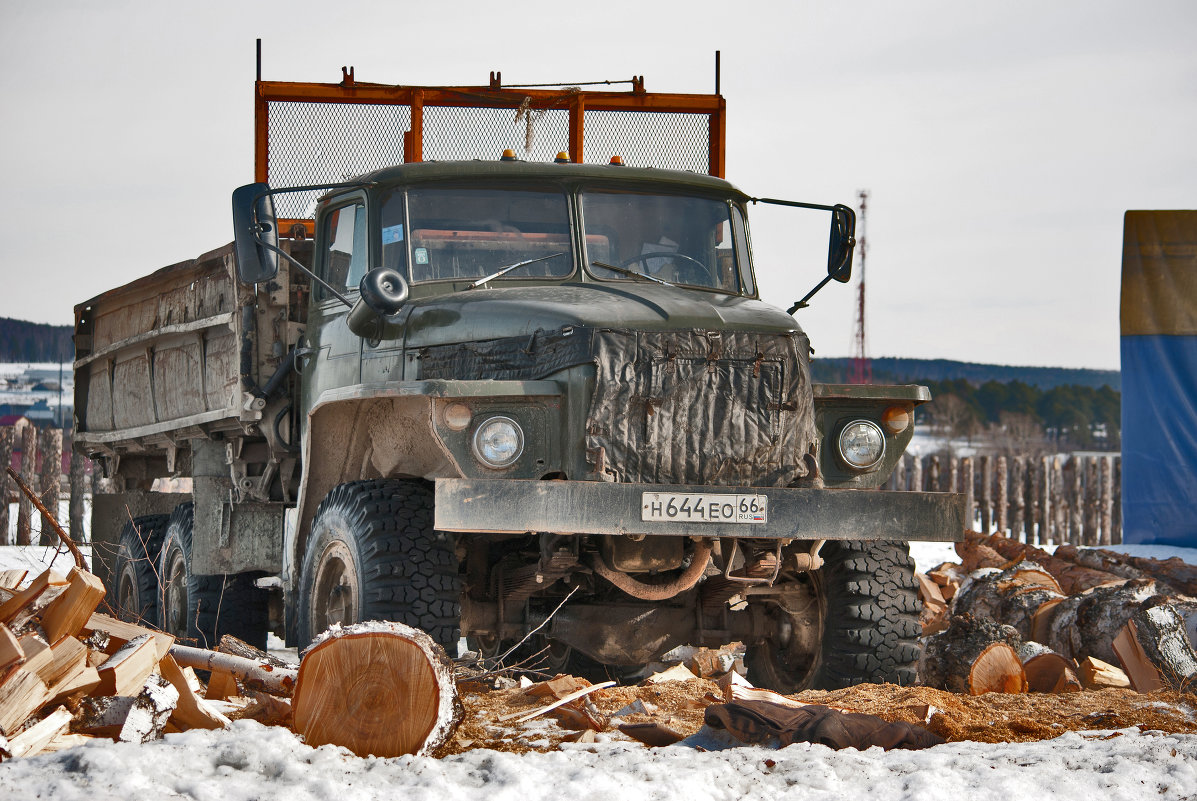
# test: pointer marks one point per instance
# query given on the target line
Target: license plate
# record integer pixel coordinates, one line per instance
(675, 507)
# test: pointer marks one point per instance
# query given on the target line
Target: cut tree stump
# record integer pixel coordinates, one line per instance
(973, 655)
(376, 688)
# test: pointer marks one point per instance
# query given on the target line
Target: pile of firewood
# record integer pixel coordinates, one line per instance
(1011, 618)
(69, 673)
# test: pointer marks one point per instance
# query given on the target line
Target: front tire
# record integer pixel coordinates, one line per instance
(866, 619)
(373, 554)
(203, 608)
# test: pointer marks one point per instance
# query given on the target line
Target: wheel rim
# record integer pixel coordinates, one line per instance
(336, 594)
(174, 596)
(793, 652)
(127, 599)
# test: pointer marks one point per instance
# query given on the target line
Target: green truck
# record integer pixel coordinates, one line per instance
(466, 391)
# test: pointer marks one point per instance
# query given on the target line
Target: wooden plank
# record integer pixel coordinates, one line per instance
(67, 614)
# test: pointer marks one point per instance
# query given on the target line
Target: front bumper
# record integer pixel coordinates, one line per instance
(512, 506)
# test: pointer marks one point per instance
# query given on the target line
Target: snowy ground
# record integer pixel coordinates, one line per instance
(251, 761)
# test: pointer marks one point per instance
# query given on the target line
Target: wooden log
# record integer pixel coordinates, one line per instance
(231, 645)
(1086, 624)
(933, 471)
(376, 688)
(1174, 572)
(256, 675)
(1010, 597)
(1003, 496)
(68, 613)
(951, 479)
(1157, 635)
(1107, 562)
(50, 445)
(1059, 512)
(973, 656)
(25, 507)
(1018, 504)
(1076, 501)
(7, 440)
(1090, 502)
(985, 496)
(968, 483)
(975, 554)
(1116, 504)
(1073, 578)
(1105, 501)
(1034, 502)
(1098, 675)
(1043, 475)
(77, 506)
(1047, 671)
(916, 473)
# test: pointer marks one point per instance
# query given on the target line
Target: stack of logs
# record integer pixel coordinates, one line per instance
(69, 673)
(1011, 618)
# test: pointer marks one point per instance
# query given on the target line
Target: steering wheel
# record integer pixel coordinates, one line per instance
(695, 268)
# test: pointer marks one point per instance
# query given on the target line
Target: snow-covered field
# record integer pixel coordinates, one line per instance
(251, 761)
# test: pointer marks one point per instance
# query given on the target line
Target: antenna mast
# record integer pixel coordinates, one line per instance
(862, 366)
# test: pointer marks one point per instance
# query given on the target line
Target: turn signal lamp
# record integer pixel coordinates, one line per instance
(508, 155)
(562, 158)
(617, 161)
(896, 419)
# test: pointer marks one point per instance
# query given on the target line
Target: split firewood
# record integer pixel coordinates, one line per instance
(67, 614)
(739, 692)
(25, 604)
(1073, 578)
(21, 694)
(267, 710)
(1010, 597)
(1047, 671)
(11, 579)
(934, 615)
(129, 718)
(973, 655)
(34, 739)
(38, 656)
(1098, 675)
(221, 686)
(376, 688)
(68, 658)
(557, 687)
(675, 673)
(11, 652)
(1155, 652)
(1086, 624)
(119, 633)
(654, 735)
(125, 672)
(191, 712)
(975, 555)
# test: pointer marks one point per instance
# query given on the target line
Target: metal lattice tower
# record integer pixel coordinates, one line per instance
(862, 365)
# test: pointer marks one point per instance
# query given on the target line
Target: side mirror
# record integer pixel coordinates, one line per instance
(383, 293)
(841, 243)
(255, 233)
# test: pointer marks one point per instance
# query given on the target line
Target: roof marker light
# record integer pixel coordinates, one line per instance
(508, 155)
(562, 158)
(617, 161)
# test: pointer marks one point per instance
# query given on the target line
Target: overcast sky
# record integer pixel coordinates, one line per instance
(1000, 142)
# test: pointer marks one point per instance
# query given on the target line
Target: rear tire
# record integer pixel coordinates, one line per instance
(373, 554)
(204, 608)
(868, 613)
(133, 588)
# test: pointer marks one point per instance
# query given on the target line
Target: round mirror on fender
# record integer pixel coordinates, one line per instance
(383, 293)
(841, 242)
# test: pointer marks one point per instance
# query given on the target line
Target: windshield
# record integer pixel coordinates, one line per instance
(465, 234)
(681, 240)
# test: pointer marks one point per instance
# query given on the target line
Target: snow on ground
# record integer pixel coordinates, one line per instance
(252, 761)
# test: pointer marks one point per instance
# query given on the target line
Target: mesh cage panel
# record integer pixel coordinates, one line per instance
(329, 142)
(452, 133)
(666, 140)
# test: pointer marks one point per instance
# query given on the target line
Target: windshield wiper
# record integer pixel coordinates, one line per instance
(631, 273)
(509, 268)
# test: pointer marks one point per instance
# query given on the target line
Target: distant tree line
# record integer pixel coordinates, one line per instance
(21, 341)
(1022, 418)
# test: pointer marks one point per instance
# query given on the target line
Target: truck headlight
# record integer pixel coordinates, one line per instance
(861, 444)
(498, 442)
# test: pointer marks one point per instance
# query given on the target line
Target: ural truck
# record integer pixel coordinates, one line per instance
(497, 396)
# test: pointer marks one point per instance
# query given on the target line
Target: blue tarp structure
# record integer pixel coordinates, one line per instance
(1159, 378)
